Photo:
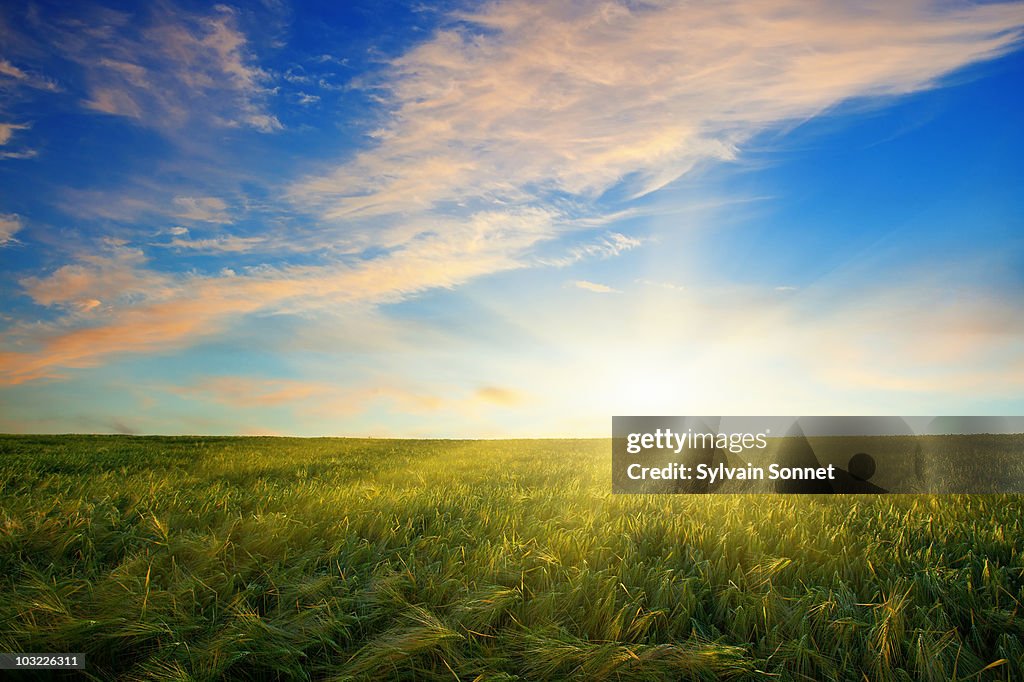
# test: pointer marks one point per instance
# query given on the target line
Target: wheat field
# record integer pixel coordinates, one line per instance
(332, 559)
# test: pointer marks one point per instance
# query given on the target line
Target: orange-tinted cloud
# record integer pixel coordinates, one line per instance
(526, 97)
(594, 287)
(153, 312)
(10, 224)
(317, 398)
(499, 395)
(179, 68)
(524, 100)
(238, 391)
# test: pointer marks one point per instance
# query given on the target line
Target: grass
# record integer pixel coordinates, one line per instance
(337, 559)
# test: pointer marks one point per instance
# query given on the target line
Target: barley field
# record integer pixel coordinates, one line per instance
(335, 559)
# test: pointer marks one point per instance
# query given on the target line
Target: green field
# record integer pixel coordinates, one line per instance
(265, 558)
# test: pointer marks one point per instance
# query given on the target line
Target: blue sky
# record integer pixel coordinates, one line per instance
(506, 219)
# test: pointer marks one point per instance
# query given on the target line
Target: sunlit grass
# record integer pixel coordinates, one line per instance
(250, 558)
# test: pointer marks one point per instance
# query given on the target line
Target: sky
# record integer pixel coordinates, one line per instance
(512, 218)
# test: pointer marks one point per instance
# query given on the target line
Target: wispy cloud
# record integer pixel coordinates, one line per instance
(499, 395)
(142, 201)
(226, 244)
(201, 209)
(567, 106)
(240, 391)
(7, 131)
(331, 400)
(21, 77)
(523, 100)
(595, 287)
(968, 345)
(500, 133)
(11, 71)
(23, 154)
(607, 246)
(317, 397)
(10, 224)
(171, 69)
(727, 348)
(117, 276)
(154, 311)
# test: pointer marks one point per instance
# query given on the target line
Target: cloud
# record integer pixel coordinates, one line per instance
(112, 101)
(141, 201)
(138, 204)
(26, 154)
(840, 348)
(608, 246)
(117, 206)
(522, 101)
(238, 391)
(201, 209)
(115, 276)
(10, 224)
(7, 131)
(499, 134)
(229, 244)
(9, 70)
(153, 311)
(310, 397)
(581, 108)
(362, 398)
(595, 287)
(499, 395)
(968, 344)
(177, 69)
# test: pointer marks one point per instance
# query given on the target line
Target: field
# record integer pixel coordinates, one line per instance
(266, 558)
